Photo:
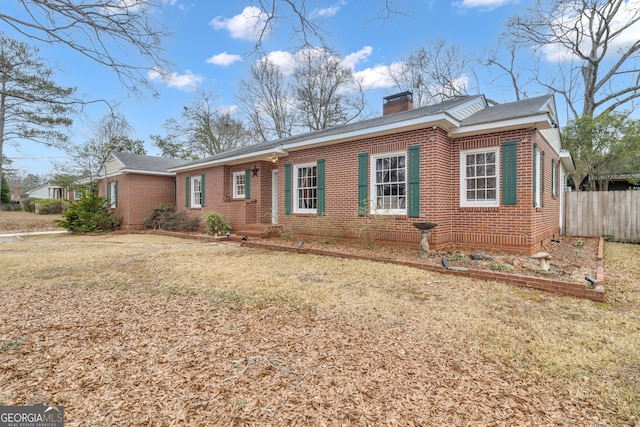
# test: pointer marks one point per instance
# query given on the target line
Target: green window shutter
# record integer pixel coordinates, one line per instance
(115, 194)
(558, 178)
(287, 189)
(187, 181)
(109, 194)
(202, 190)
(535, 166)
(321, 187)
(247, 183)
(509, 173)
(175, 192)
(363, 181)
(414, 181)
(542, 179)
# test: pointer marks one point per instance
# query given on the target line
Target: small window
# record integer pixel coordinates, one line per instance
(113, 194)
(196, 192)
(479, 177)
(389, 184)
(306, 189)
(239, 185)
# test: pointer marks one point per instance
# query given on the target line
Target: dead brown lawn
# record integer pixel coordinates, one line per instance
(151, 330)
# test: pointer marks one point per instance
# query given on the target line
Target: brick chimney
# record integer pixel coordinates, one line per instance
(397, 103)
(16, 194)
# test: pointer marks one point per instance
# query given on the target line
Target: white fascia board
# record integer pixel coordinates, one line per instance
(144, 172)
(254, 156)
(442, 120)
(567, 161)
(540, 121)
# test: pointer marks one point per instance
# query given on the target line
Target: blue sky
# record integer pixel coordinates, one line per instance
(212, 44)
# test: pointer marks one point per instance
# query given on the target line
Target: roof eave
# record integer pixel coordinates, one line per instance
(539, 121)
(442, 120)
(254, 156)
(567, 161)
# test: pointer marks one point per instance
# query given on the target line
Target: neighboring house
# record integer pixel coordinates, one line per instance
(489, 176)
(135, 184)
(46, 191)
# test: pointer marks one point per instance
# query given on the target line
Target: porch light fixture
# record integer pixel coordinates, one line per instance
(274, 159)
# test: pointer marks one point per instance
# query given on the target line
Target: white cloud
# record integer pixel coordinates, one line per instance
(224, 59)
(284, 60)
(327, 11)
(187, 81)
(557, 53)
(376, 77)
(481, 4)
(371, 78)
(250, 25)
(352, 59)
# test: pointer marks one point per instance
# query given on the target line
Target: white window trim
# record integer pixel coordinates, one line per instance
(193, 192)
(372, 184)
(237, 195)
(538, 180)
(112, 194)
(296, 168)
(463, 175)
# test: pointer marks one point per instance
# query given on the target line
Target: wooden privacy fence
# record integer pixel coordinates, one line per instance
(603, 213)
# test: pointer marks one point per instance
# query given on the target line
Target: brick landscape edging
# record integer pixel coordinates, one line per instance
(540, 283)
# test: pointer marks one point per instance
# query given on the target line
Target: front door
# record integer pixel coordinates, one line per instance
(274, 197)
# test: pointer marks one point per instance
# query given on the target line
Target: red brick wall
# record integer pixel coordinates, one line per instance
(138, 195)
(518, 228)
(219, 194)
(514, 228)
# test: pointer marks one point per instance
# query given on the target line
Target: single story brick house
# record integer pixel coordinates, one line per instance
(135, 184)
(490, 176)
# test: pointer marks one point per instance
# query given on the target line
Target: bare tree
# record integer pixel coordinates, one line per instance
(293, 14)
(433, 73)
(110, 133)
(266, 101)
(105, 31)
(593, 43)
(32, 107)
(204, 129)
(326, 92)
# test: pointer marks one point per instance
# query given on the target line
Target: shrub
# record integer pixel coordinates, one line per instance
(49, 206)
(164, 217)
(215, 224)
(13, 206)
(29, 204)
(90, 214)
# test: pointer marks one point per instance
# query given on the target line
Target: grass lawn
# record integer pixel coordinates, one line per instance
(151, 330)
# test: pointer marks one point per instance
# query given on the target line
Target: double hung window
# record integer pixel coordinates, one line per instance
(479, 177)
(389, 183)
(306, 188)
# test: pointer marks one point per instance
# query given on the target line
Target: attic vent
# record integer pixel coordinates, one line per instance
(397, 103)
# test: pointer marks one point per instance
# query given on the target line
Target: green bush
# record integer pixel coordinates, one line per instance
(164, 217)
(215, 224)
(13, 206)
(29, 204)
(49, 206)
(90, 214)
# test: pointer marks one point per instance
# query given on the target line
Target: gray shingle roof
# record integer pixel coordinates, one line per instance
(510, 110)
(140, 162)
(336, 130)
